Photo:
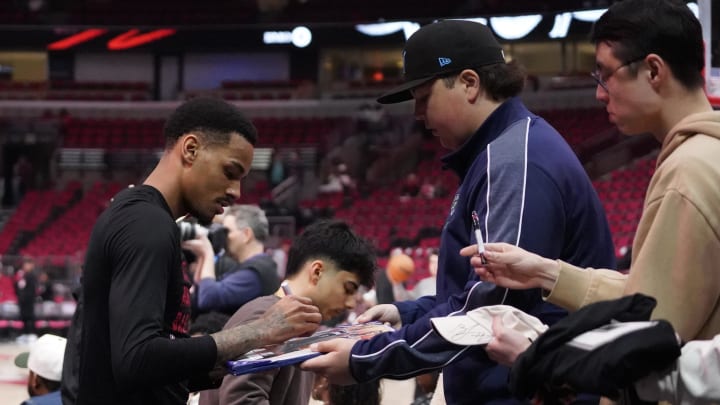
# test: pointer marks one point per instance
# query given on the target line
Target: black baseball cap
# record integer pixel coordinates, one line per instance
(442, 48)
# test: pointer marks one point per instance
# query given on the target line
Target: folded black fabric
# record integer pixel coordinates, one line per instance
(618, 350)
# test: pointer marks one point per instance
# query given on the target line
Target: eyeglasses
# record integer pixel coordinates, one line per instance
(602, 81)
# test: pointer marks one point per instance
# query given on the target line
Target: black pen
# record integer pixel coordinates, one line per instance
(478, 236)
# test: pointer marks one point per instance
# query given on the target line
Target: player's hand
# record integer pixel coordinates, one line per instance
(290, 317)
(384, 313)
(335, 363)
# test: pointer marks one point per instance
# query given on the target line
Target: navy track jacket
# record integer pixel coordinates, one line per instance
(529, 189)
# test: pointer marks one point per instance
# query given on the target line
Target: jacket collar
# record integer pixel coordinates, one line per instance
(508, 112)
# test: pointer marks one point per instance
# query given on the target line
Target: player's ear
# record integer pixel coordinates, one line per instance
(189, 147)
(317, 268)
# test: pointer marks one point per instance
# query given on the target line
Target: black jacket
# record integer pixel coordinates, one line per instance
(619, 351)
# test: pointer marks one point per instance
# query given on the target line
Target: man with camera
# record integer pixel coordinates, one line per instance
(254, 274)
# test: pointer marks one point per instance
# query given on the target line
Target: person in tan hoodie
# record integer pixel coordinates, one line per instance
(649, 56)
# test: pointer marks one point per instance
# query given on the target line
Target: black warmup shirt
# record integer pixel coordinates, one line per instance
(127, 341)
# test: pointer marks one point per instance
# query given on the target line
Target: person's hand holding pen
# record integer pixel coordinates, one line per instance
(510, 266)
(478, 237)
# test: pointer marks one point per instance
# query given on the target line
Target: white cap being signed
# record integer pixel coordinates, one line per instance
(475, 327)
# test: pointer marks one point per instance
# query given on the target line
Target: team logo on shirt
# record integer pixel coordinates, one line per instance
(181, 323)
(454, 204)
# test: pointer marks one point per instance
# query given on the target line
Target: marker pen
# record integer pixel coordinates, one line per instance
(478, 236)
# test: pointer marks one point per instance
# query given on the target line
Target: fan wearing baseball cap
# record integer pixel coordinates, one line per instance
(519, 175)
(443, 49)
(45, 363)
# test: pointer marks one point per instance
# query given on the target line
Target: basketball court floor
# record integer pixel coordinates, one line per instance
(13, 380)
(13, 389)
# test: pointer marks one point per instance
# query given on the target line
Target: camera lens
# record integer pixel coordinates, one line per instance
(190, 231)
(187, 231)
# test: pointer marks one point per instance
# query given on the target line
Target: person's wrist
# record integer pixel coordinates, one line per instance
(208, 251)
(208, 269)
(236, 341)
(258, 333)
(264, 334)
(549, 271)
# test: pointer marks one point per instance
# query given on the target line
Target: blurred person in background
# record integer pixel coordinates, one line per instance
(278, 170)
(390, 283)
(44, 362)
(217, 234)
(279, 254)
(26, 176)
(128, 342)
(410, 186)
(255, 274)
(46, 288)
(427, 285)
(26, 285)
(338, 180)
(7, 284)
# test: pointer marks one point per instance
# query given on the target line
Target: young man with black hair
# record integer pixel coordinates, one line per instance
(128, 342)
(327, 264)
(516, 172)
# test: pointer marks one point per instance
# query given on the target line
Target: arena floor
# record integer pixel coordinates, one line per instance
(13, 379)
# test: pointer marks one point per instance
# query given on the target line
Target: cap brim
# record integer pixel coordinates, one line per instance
(402, 92)
(476, 327)
(21, 359)
(462, 330)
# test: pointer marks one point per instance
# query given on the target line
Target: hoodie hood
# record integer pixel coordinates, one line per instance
(707, 123)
